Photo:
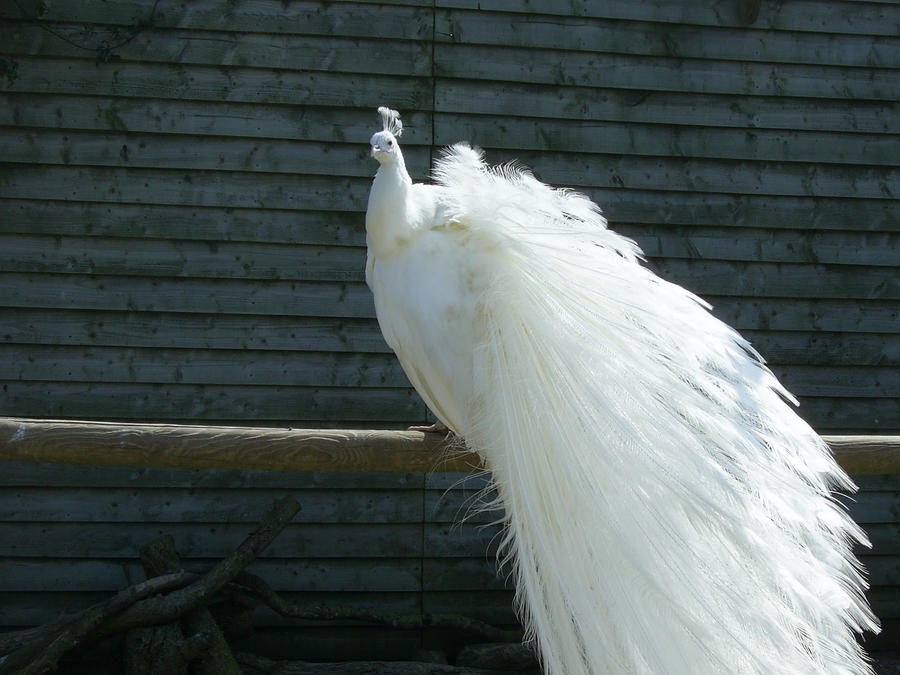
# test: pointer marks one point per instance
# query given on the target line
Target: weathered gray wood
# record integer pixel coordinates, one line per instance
(202, 366)
(47, 474)
(311, 407)
(802, 15)
(629, 138)
(807, 315)
(194, 153)
(657, 107)
(528, 29)
(263, 16)
(258, 50)
(190, 331)
(292, 191)
(229, 189)
(121, 540)
(633, 72)
(211, 506)
(213, 117)
(761, 245)
(210, 403)
(810, 381)
(227, 83)
(781, 279)
(707, 175)
(203, 296)
(652, 205)
(179, 258)
(375, 574)
(851, 415)
(257, 225)
(826, 349)
(153, 221)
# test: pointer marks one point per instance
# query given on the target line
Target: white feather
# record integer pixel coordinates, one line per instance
(667, 510)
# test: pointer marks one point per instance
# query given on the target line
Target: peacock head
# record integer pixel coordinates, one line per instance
(384, 144)
(384, 147)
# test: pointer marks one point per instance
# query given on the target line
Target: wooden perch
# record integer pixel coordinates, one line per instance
(199, 447)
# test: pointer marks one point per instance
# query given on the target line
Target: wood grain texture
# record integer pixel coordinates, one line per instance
(299, 450)
(245, 448)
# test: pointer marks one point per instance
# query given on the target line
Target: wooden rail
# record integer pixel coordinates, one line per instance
(103, 443)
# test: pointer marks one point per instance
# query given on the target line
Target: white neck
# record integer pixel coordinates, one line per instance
(388, 224)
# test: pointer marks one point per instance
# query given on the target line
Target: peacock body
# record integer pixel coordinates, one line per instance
(667, 511)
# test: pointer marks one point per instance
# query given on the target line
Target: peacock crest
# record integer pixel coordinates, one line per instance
(390, 120)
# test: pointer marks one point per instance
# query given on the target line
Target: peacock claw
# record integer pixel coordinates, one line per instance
(436, 428)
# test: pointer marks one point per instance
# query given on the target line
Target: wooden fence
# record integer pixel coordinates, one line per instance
(182, 186)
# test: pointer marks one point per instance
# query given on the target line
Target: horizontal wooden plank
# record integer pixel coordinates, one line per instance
(784, 280)
(645, 106)
(374, 574)
(46, 75)
(207, 506)
(807, 314)
(703, 208)
(55, 539)
(330, 53)
(206, 296)
(347, 229)
(800, 15)
(257, 261)
(196, 153)
(688, 183)
(201, 366)
(852, 416)
(850, 381)
(660, 140)
(211, 403)
(263, 16)
(885, 538)
(874, 508)
(826, 349)
(188, 188)
(48, 474)
(211, 118)
(189, 331)
(179, 258)
(833, 247)
(621, 71)
(883, 570)
(650, 38)
(706, 175)
(347, 197)
(153, 221)
(323, 369)
(785, 332)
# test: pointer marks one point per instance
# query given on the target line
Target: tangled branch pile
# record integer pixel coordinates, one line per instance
(168, 626)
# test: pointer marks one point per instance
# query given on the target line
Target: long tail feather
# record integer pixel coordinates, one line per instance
(668, 511)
